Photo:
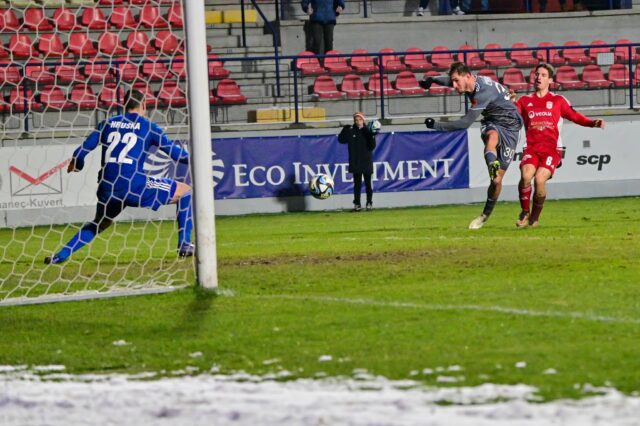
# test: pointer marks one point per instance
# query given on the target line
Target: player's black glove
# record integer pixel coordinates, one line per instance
(429, 122)
(426, 83)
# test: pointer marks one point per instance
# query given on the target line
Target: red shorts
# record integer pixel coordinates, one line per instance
(548, 159)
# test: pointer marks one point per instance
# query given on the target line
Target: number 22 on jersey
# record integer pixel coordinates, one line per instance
(129, 140)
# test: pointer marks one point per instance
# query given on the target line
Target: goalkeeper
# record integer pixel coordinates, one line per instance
(500, 125)
(125, 141)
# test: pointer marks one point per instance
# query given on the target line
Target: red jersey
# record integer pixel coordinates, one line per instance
(543, 117)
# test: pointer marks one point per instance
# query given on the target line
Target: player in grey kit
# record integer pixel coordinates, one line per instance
(500, 125)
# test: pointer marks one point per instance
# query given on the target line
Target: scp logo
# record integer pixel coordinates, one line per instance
(599, 160)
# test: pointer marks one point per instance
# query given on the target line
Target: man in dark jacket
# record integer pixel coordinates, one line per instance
(361, 141)
(322, 19)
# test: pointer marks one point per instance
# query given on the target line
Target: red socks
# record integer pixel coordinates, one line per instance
(525, 198)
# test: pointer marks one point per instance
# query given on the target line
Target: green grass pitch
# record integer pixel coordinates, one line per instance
(392, 291)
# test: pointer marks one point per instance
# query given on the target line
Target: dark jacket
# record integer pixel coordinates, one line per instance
(361, 143)
(324, 11)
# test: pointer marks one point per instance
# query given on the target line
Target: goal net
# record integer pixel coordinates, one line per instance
(65, 66)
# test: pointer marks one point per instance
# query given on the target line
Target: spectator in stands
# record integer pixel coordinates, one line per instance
(322, 17)
(360, 139)
(484, 5)
(455, 7)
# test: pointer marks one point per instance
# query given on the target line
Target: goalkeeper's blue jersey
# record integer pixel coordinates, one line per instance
(125, 141)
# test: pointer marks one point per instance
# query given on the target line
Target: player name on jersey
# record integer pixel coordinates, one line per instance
(127, 125)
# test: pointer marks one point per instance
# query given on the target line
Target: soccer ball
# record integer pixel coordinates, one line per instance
(321, 186)
(375, 126)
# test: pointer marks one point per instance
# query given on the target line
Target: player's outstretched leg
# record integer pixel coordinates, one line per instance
(185, 225)
(86, 234)
(495, 187)
(525, 205)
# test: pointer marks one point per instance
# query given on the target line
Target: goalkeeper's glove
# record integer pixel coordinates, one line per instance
(426, 83)
(429, 122)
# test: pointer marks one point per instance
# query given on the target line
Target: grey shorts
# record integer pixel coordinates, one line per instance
(508, 140)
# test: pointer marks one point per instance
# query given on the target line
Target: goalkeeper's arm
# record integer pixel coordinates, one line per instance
(77, 161)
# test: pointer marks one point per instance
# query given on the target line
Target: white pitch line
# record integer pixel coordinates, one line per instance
(478, 308)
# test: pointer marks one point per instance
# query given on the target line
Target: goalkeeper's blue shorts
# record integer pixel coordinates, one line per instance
(157, 192)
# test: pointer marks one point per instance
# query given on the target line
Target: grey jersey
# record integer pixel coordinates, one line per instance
(491, 100)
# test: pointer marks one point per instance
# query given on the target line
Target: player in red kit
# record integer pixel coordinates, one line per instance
(543, 113)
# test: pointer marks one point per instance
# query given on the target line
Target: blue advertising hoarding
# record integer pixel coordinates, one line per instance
(280, 166)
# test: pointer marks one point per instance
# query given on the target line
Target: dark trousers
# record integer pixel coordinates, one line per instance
(322, 37)
(357, 187)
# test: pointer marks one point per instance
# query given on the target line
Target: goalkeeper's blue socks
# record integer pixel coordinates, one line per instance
(185, 219)
(86, 234)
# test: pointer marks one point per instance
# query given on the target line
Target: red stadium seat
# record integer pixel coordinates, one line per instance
(155, 70)
(325, 88)
(68, 73)
(308, 63)
(574, 55)
(3, 52)
(179, 67)
(390, 61)
(150, 17)
(8, 21)
(50, 45)
(336, 65)
(98, 73)
(497, 58)
(353, 87)
(129, 72)
(21, 102)
(550, 56)
(567, 78)
(36, 20)
(83, 97)
(111, 2)
(174, 15)
(514, 79)
(213, 99)
(110, 96)
(489, 73)
(619, 75)
(362, 64)
(121, 17)
(36, 71)
(109, 44)
(138, 43)
(594, 77)
(415, 60)
(437, 89)
(9, 73)
(374, 85)
(167, 42)
(407, 84)
(216, 68)
(594, 50)
(523, 57)
(139, 2)
(473, 59)
(52, 97)
(229, 92)
(94, 19)
(150, 99)
(441, 57)
(21, 46)
(81, 46)
(622, 52)
(171, 94)
(65, 20)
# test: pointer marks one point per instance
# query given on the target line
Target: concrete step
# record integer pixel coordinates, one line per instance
(236, 41)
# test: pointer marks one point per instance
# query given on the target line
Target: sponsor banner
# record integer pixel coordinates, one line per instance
(282, 166)
(36, 177)
(590, 155)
